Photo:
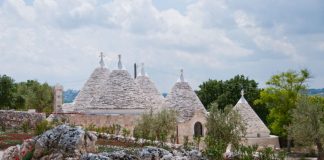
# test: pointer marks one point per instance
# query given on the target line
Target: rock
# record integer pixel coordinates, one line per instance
(153, 153)
(195, 155)
(11, 153)
(90, 156)
(66, 141)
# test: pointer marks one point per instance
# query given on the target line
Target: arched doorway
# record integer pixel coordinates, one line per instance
(198, 129)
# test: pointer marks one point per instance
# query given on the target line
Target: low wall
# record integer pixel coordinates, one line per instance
(125, 121)
(14, 119)
(271, 141)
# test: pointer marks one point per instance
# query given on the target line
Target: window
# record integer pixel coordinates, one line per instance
(198, 129)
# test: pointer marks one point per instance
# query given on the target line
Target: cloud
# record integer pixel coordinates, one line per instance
(59, 40)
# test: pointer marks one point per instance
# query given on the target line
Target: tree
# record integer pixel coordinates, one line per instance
(223, 127)
(281, 97)
(36, 96)
(7, 90)
(156, 126)
(307, 126)
(228, 92)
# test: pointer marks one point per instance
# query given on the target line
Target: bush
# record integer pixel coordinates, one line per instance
(125, 132)
(223, 127)
(41, 127)
(156, 126)
(25, 126)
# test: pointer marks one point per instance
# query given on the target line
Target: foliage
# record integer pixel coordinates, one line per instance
(37, 96)
(25, 126)
(307, 127)
(156, 126)
(281, 97)
(7, 91)
(125, 132)
(251, 152)
(3, 126)
(228, 92)
(29, 155)
(223, 127)
(197, 140)
(25, 95)
(42, 126)
(186, 142)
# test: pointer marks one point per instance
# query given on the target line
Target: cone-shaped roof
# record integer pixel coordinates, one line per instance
(254, 125)
(120, 92)
(153, 96)
(90, 88)
(183, 99)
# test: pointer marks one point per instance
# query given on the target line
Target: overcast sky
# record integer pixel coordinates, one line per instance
(59, 41)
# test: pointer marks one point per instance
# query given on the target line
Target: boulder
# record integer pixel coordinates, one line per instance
(61, 142)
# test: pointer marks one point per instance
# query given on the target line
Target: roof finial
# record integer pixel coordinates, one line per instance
(120, 66)
(142, 70)
(102, 63)
(242, 92)
(181, 76)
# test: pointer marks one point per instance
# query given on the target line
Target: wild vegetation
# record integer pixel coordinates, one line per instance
(25, 95)
(156, 126)
(223, 127)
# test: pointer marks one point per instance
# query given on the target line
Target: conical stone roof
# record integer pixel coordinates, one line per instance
(91, 88)
(254, 125)
(183, 99)
(120, 92)
(153, 96)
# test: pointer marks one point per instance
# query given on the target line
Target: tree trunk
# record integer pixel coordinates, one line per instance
(320, 150)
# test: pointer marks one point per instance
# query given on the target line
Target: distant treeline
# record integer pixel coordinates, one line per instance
(25, 95)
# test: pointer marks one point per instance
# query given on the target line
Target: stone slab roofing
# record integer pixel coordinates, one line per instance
(254, 125)
(153, 96)
(119, 92)
(183, 99)
(91, 88)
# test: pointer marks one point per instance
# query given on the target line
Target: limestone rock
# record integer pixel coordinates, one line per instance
(148, 153)
(69, 141)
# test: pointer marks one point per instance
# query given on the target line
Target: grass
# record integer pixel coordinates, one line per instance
(12, 142)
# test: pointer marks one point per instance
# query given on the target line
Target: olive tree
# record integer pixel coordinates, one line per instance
(223, 127)
(307, 125)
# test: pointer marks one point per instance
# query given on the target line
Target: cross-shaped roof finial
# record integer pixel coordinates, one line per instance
(102, 63)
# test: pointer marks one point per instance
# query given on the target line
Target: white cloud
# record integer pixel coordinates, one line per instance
(59, 40)
(264, 40)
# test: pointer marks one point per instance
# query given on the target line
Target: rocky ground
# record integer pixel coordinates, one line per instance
(72, 143)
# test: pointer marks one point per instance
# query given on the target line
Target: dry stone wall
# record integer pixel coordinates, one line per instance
(14, 119)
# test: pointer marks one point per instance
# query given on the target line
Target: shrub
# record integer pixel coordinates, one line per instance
(3, 126)
(125, 132)
(156, 126)
(25, 126)
(223, 127)
(41, 127)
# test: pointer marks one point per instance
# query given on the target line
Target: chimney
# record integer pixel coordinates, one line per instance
(135, 70)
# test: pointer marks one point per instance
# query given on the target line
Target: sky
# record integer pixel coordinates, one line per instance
(59, 41)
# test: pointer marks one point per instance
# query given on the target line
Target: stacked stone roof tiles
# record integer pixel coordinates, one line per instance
(153, 96)
(184, 100)
(120, 92)
(254, 125)
(91, 88)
